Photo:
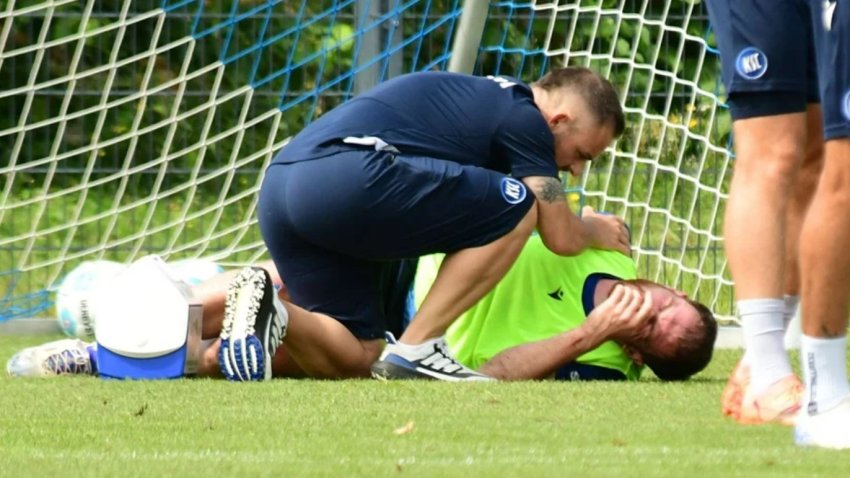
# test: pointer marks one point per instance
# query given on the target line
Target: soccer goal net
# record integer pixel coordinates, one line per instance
(138, 127)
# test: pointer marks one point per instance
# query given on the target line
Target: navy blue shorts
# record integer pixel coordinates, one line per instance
(767, 55)
(832, 40)
(337, 227)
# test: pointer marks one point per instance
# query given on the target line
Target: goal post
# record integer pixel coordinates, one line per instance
(468, 38)
(139, 127)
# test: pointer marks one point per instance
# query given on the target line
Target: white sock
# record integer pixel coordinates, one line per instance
(824, 372)
(792, 322)
(764, 336)
(427, 345)
(414, 351)
(282, 313)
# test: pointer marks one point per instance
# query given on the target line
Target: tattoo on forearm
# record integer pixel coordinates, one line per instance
(550, 190)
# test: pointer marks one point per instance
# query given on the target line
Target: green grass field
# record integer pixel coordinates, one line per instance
(83, 426)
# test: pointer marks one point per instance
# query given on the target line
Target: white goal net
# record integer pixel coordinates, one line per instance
(138, 127)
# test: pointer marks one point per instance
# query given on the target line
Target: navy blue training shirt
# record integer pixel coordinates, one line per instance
(487, 122)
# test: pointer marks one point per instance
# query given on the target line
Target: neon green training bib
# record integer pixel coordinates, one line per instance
(539, 297)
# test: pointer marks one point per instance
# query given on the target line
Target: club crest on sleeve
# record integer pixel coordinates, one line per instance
(751, 63)
(512, 190)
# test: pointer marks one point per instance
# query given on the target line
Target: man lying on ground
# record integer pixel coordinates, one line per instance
(580, 317)
(554, 316)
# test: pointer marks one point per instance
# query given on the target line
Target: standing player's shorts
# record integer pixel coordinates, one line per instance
(767, 55)
(338, 226)
(831, 25)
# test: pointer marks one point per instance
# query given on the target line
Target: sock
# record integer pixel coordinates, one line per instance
(824, 372)
(282, 313)
(416, 350)
(792, 322)
(764, 336)
(424, 345)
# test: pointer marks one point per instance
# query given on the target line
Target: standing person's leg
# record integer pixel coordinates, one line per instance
(767, 153)
(767, 95)
(824, 257)
(801, 198)
(825, 265)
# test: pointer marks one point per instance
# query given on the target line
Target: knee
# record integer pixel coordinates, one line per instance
(771, 160)
(778, 164)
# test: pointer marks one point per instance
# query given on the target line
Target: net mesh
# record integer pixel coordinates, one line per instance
(138, 127)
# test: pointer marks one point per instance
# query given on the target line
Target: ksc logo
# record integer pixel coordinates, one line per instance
(751, 63)
(513, 191)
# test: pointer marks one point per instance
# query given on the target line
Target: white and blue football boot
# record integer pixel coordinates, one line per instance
(62, 357)
(254, 325)
(430, 360)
